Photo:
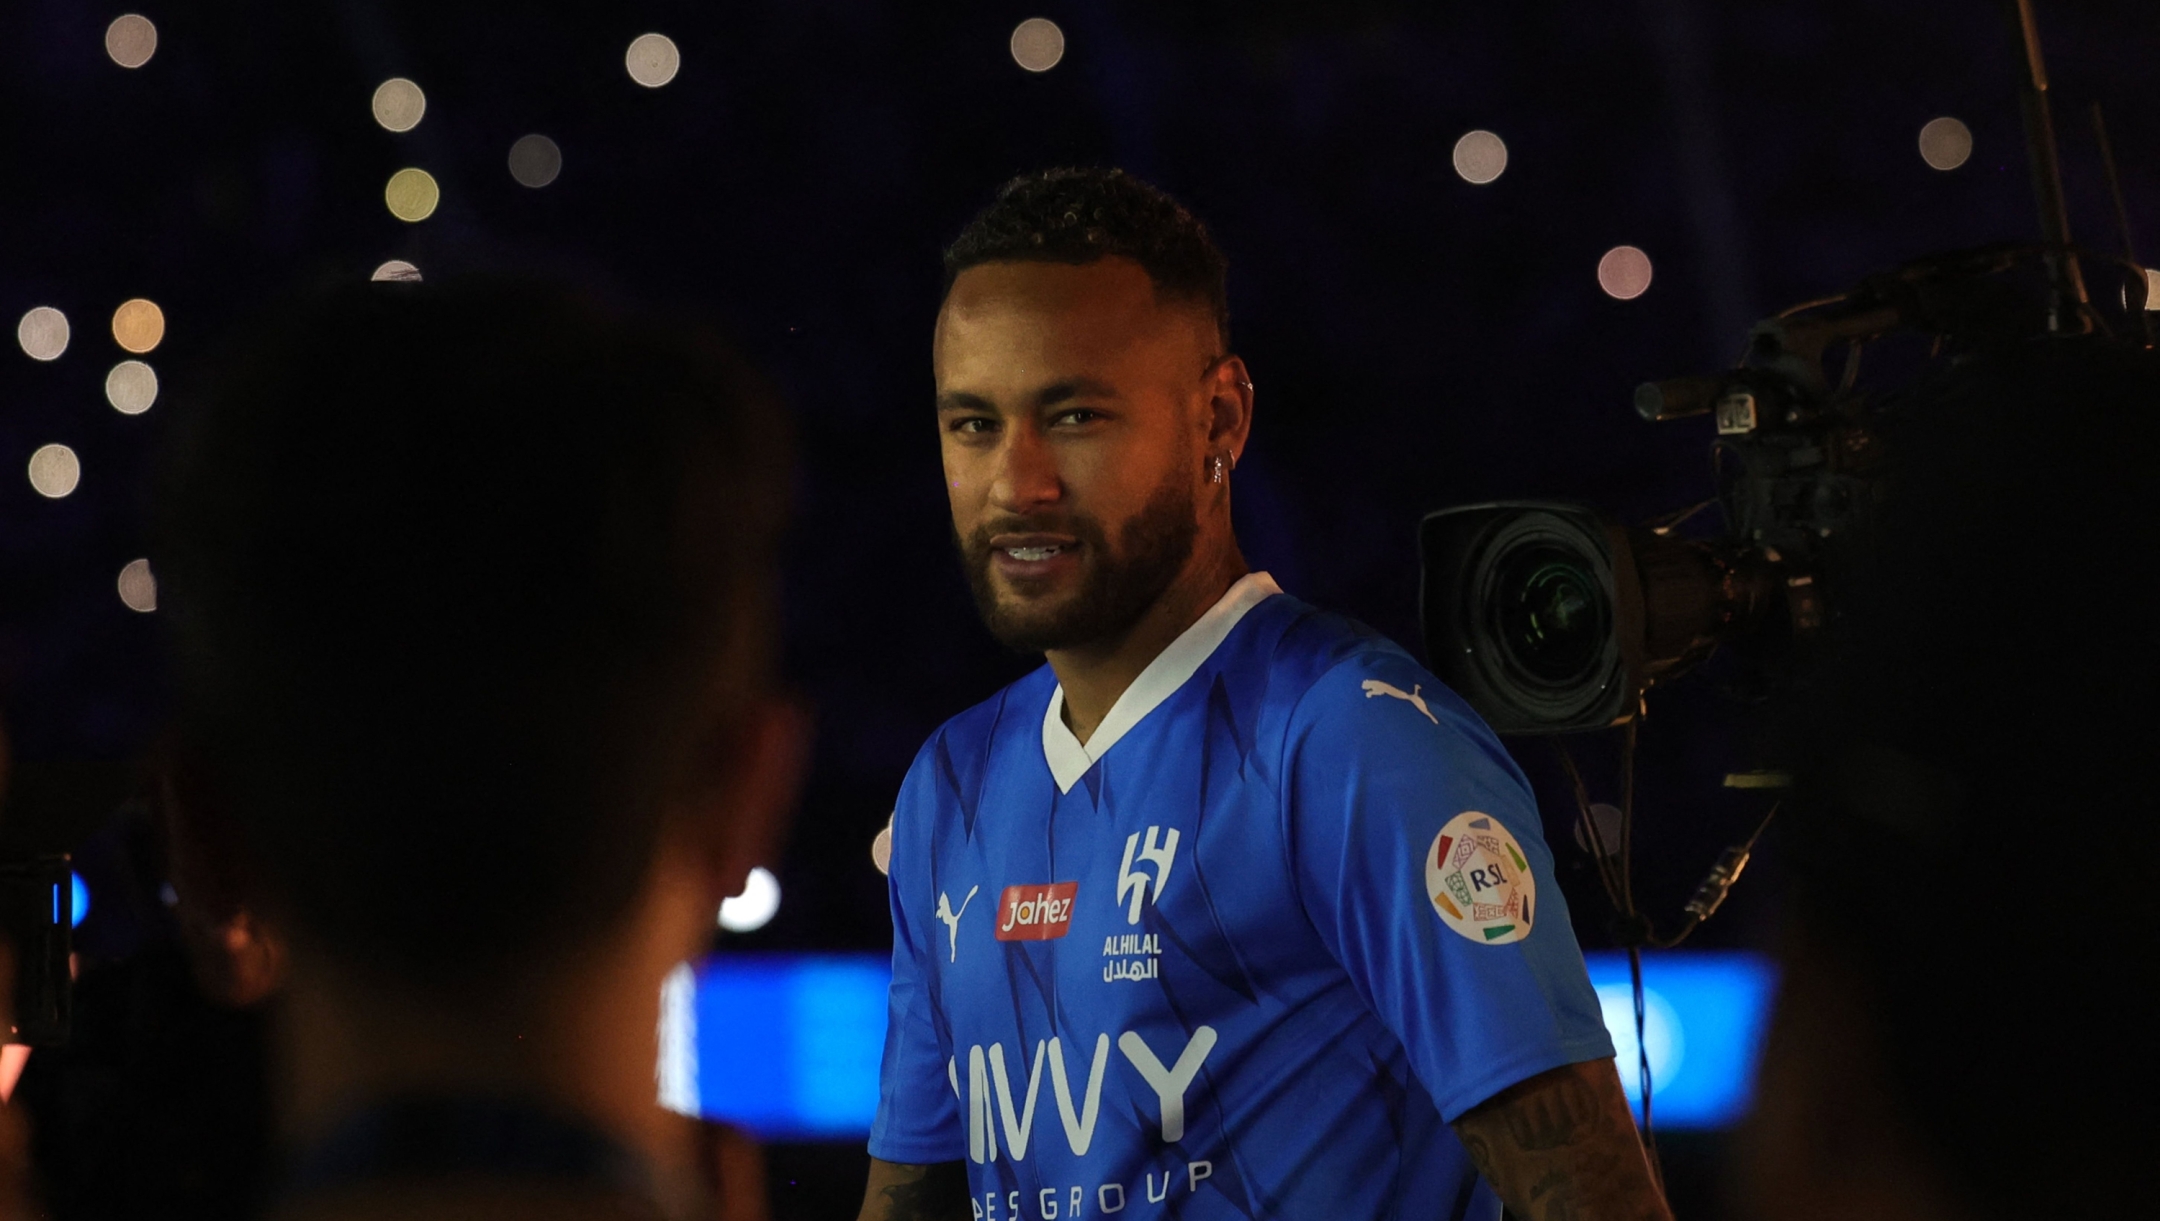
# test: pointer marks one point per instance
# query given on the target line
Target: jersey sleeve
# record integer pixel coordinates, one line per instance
(1419, 857)
(918, 1116)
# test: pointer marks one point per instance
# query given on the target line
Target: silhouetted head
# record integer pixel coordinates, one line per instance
(472, 592)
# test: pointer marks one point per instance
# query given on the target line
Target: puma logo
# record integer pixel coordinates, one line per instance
(1373, 687)
(951, 919)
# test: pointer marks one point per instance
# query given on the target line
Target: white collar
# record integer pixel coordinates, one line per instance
(1069, 759)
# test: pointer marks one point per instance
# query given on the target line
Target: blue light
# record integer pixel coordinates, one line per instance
(788, 1045)
(80, 896)
(1705, 1013)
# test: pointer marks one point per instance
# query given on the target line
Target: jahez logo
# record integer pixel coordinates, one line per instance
(1036, 913)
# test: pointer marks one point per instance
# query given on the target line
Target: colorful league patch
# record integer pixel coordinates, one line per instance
(1478, 880)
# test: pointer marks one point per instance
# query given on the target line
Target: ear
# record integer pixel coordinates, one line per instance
(1228, 417)
(748, 813)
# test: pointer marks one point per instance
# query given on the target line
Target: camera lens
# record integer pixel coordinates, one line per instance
(1551, 613)
(1521, 614)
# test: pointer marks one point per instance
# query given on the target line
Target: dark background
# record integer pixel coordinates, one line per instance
(1417, 341)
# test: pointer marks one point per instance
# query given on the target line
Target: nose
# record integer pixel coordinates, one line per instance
(1027, 475)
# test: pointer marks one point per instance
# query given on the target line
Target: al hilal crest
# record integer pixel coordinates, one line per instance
(1479, 882)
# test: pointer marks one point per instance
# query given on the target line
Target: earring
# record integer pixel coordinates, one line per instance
(1215, 469)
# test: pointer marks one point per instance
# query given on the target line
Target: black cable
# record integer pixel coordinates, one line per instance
(1642, 1069)
(1638, 930)
(1632, 929)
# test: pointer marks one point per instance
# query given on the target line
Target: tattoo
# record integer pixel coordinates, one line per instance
(915, 1193)
(1562, 1146)
(1555, 1195)
(1552, 1118)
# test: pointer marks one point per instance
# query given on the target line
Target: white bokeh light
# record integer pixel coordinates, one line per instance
(398, 104)
(535, 160)
(1480, 157)
(396, 270)
(43, 333)
(754, 908)
(652, 60)
(1038, 44)
(1945, 143)
(2152, 289)
(55, 471)
(131, 40)
(138, 588)
(131, 387)
(881, 849)
(1624, 273)
(678, 1070)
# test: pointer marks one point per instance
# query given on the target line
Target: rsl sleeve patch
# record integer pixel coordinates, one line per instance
(1478, 880)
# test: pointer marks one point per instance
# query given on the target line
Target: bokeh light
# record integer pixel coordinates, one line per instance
(131, 40)
(78, 898)
(652, 60)
(1624, 272)
(535, 160)
(43, 333)
(1945, 143)
(396, 269)
(881, 848)
(398, 104)
(131, 387)
(54, 471)
(138, 325)
(1038, 44)
(1480, 157)
(754, 907)
(137, 587)
(2152, 289)
(412, 195)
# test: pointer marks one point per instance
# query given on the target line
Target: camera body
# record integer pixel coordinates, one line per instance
(1551, 617)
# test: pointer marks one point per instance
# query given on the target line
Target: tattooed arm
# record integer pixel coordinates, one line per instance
(915, 1193)
(1562, 1146)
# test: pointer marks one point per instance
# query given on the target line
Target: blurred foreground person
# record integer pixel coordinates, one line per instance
(472, 594)
(14, 1139)
(1972, 964)
(1231, 909)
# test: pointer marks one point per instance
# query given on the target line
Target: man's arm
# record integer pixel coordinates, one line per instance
(916, 1193)
(1562, 1147)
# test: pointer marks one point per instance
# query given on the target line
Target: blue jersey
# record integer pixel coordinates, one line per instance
(1245, 953)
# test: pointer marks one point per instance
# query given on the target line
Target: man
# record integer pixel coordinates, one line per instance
(1969, 965)
(471, 589)
(1231, 910)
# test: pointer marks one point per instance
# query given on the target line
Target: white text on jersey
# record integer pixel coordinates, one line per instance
(989, 1096)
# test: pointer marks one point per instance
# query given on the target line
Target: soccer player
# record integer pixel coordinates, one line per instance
(1230, 910)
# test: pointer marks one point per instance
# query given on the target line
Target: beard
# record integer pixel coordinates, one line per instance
(1116, 587)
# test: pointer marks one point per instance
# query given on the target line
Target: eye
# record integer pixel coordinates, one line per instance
(1078, 415)
(973, 424)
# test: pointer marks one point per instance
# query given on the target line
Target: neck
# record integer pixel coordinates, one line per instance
(1095, 674)
(583, 1041)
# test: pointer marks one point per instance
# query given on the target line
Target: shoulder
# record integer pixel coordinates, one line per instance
(955, 759)
(1313, 654)
(1357, 692)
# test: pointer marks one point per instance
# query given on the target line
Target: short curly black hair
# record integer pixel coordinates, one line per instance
(1078, 215)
